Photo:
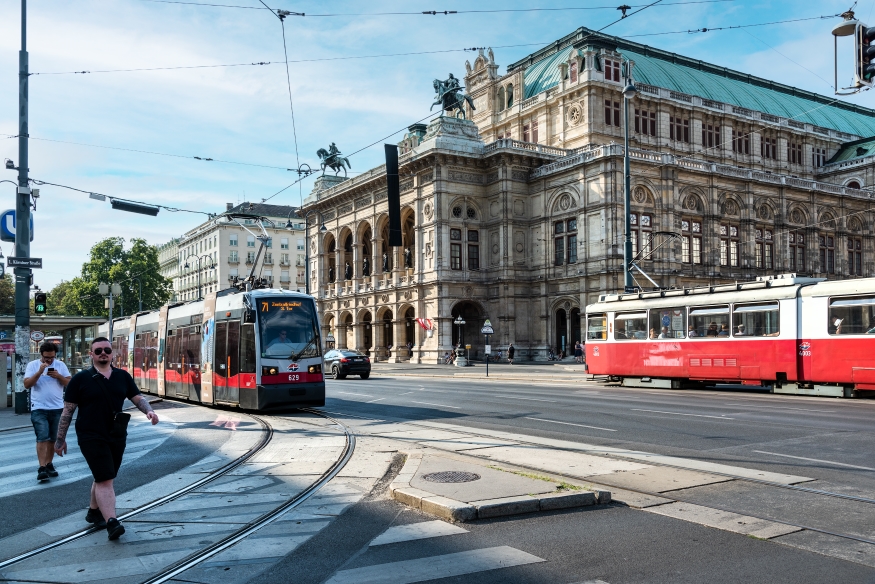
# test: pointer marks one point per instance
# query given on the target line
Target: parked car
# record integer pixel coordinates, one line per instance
(343, 362)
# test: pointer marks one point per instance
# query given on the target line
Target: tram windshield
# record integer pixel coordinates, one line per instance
(288, 329)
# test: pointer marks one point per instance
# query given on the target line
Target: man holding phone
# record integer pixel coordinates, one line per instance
(46, 378)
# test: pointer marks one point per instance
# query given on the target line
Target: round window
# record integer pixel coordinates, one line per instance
(471, 213)
(457, 211)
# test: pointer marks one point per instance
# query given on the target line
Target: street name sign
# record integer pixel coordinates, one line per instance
(13, 262)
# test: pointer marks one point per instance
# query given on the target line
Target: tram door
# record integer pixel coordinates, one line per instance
(151, 350)
(182, 361)
(193, 363)
(227, 343)
(141, 366)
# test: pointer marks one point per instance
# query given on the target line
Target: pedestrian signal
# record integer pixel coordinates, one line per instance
(39, 303)
(864, 55)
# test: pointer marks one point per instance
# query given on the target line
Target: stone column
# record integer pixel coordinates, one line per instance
(338, 271)
(400, 353)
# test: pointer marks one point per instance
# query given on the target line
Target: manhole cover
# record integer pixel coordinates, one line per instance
(451, 476)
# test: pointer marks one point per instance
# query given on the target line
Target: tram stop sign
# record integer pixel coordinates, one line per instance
(487, 328)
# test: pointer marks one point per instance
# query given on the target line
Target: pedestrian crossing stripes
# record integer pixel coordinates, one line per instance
(414, 531)
(18, 451)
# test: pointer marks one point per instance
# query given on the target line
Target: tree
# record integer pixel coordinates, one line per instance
(7, 295)
(110, 262)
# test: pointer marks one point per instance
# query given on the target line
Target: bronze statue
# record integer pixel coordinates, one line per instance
(385, 262)
(331, 274)
(366, 267)
(450, 96)
(332, 159)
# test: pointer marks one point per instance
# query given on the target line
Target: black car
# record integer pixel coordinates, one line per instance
(343, 362)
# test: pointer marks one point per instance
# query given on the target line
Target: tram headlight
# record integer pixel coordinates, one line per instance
(266, 370)
(314, 369)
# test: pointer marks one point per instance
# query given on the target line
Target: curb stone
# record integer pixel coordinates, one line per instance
(453, 510)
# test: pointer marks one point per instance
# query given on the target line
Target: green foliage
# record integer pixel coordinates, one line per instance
(7, 295)
(110, 262)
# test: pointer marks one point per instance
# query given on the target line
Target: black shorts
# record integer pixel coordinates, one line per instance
(103, 457)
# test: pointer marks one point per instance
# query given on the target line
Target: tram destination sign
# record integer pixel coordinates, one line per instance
(14, 262)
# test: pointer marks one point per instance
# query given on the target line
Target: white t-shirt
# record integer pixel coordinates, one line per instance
(47, 393)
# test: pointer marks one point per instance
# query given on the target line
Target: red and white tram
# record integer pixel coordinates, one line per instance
(797, 335)
(256, 350)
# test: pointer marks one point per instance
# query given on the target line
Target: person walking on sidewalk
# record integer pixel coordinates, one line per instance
(46, 378)
(101, 428)
(510, 353)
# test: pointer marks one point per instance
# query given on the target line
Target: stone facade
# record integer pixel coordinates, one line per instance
(517, 216)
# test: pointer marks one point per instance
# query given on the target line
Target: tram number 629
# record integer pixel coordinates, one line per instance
(294, 377)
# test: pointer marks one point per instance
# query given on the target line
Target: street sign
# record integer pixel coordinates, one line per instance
(7, 226)
(24, 262)
(37, 336)
(487, 328)
(488, 349)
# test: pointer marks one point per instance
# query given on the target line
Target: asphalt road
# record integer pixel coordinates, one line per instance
(826, 439)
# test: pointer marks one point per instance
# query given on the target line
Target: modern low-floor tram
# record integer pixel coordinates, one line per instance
(255, 350)
(795, 335)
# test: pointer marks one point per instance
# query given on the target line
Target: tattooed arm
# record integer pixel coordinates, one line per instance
(143, 405)
(63, 426)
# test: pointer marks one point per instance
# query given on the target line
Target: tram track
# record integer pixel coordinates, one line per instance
(265, 439)
(673, 498)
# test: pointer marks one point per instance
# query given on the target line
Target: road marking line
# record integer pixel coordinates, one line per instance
(570, 424)
(405, 393)
(786, 408)
(414, 531)
(679, 414)
(443, 566)
(375, 400)
(527, 398)
(438, 405)
(359, 394)
(815, 460)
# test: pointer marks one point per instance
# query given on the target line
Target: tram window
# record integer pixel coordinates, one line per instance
(709, 322)
(630, 326)
(755, 320)
(668, 323)
(247, 348)
(852, 316)
(596, 327)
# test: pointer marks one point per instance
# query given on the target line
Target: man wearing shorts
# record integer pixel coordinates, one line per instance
(99, 393)
(46, 378)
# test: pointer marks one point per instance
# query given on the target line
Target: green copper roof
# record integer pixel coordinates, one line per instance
(685, 75)
(855, 149)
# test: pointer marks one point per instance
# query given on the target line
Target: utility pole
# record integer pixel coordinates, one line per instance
(110, 291)
(22, 229)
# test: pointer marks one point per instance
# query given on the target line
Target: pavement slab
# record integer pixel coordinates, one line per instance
(661, 479)
(725, 520)
(492, 484)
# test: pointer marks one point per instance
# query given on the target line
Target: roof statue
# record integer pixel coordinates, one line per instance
(332, 159)
(450, 97)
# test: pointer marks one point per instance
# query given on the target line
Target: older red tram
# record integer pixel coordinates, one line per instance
(796, 335)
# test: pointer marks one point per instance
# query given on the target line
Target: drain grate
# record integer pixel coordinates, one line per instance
(451, 476)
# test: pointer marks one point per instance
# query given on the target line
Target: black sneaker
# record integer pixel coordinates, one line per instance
(114, 528)
(42, 474)
(50, 468)
(95, 517)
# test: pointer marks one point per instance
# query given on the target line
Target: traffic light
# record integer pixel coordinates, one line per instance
(864, 55)
(39, 303)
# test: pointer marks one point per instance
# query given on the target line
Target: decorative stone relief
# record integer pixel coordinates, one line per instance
(519, 207)
(692, 203)
(764, 212)
(493, 208)
(522, 175)
(565, 202)
(384, 298)
(639, 195)
(406, 185)
(366, 300)
(575, 115)
(469, 291)
(425, 178)
(344, 209)
(327, 215)
(492, 177)
(796, 216)
(364, 202)
(465, 177)
(854, 225)
(730, 207)
(567, 305)
(427, 210)
(519, 245)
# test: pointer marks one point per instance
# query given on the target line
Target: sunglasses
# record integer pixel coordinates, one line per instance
(101, 350)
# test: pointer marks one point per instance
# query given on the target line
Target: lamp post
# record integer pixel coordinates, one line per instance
(628, 94)
(461, 360)
(322, 229)
(198, 263)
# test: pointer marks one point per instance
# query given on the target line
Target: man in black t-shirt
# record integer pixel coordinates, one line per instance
(99, 393)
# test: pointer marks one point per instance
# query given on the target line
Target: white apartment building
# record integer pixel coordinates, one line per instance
(212, 255)
(168, 261)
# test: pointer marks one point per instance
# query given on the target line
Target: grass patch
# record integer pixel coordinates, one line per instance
(563, 486)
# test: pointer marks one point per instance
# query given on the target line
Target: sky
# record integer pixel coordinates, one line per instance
(241, 115)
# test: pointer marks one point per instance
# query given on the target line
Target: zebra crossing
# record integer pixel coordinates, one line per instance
(18, 451)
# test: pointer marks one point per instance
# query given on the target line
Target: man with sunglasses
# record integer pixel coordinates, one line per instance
(99, 393)
(46, 378)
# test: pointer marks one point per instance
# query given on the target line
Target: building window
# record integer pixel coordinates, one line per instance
(250, 257)
(642, 231)
(740, 141)
(300, 244)
(769, 148)
(818, 157)
(710, 136)
(268, 258)
(473, 257)
(233, 257)
(535, 131)
(797, 252)
(853, 185)
(645, 122)
(764, 249)
(679, 129)
(612, 70)
(573, 70)
(233, 240)
(455, 256)
(827, 253)
(456, 234)
(612, 113)
(526, 133)
(728, 245)
(794, 153)
(284, 243)
(855, 256)
(250, 241)
(509, 95)
(565, 242)
(691, 241)
(500, 99)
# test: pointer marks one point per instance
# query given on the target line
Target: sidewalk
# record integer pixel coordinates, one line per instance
(526, 370)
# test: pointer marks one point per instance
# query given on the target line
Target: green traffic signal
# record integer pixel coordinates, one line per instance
(39, 303)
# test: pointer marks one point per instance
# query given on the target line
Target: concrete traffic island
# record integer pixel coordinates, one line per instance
(462, 491)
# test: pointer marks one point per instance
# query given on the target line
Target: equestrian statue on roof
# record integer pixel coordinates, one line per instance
(332, 159)
(450, 97)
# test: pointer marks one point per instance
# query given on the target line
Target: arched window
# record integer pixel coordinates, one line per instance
(853, 185)
(510, 95)
(501, 99)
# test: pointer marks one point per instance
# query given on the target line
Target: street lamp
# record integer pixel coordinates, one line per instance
(322, 229)
(628, 94)
(198, 259)
(459, 322)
